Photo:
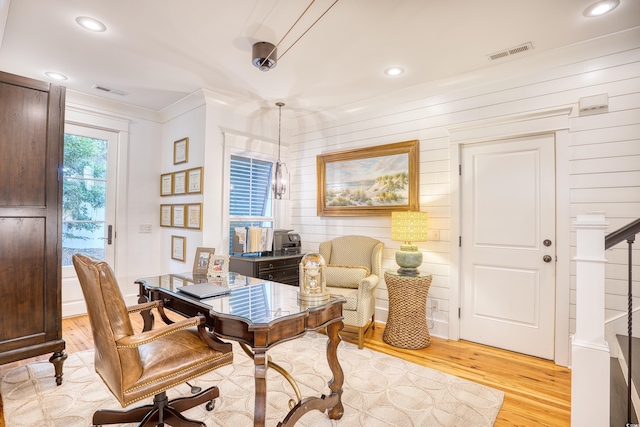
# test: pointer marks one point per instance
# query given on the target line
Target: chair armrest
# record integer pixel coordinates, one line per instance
(144, 306)
(368, 284)
(154, 334)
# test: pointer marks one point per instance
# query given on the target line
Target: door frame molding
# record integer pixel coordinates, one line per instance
(551, 121)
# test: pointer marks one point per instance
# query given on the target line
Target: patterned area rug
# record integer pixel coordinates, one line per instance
(379, 390)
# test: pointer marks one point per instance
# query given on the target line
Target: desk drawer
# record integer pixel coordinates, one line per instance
(280, 264)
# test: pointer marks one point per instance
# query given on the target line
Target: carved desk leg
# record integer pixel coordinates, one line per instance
(147, 315)
(58, 359)
(333, 331)
(260, 361)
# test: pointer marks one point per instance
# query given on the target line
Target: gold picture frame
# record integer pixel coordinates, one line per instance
(195, 179)
(181, 151)
(203, 258)
(193, 215)
(165, 215)
(179, 183)
(178, 248)
(381, 180)
(178, 216)
(166, 184)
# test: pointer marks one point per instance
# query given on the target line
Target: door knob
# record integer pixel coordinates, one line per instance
(546, 258)
(547, 242)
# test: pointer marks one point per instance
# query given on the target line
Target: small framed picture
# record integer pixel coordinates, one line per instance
(180, 182)
(181, 151)
(194, 215)
(201, 261)
(218, 266)
(194, 180)
(178, 248)
(165, 215)
(177, 216)
(166, 184)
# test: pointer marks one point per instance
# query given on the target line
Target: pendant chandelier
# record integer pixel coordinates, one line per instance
(281, 175)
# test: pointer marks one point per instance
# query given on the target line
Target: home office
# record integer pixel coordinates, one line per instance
(337, 98)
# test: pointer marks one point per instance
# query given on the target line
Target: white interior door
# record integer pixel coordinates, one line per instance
(88, 205)
(508, 245)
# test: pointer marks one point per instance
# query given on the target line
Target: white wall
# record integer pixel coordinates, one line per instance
(602, 160)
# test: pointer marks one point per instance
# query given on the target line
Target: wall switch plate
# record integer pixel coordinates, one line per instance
(144, 228)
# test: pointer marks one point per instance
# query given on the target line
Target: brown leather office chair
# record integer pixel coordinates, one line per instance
(139, 366)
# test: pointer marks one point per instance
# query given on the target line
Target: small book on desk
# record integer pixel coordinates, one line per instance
(204, 290)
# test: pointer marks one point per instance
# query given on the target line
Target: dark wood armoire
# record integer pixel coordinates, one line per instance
(31, 144)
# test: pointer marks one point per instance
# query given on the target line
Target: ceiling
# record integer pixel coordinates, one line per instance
(159, 51)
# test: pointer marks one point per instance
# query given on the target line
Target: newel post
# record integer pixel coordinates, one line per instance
(590, 356)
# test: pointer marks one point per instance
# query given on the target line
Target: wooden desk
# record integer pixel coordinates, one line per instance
(259, 315)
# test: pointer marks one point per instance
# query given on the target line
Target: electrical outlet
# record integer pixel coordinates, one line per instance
(144, 228)
(433, 235)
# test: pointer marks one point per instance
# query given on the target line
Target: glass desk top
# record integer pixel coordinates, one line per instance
(257, 300)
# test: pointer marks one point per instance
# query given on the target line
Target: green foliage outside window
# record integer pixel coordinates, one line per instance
(84, 189)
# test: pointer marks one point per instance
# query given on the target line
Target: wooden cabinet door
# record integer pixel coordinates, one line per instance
(31, 135)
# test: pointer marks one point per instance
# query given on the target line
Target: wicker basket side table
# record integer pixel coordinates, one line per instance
(407, 322)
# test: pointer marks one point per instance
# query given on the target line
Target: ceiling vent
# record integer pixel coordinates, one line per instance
(511, 51)
(110, 90)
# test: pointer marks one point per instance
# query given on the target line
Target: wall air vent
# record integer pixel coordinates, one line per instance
(109, 90)
(511, 51)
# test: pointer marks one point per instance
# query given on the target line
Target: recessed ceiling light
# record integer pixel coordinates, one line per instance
(55, 76)
(91, 24)
(600, 8)
(394, 71)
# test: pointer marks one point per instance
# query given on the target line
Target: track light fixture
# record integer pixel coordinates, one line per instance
(264, 56)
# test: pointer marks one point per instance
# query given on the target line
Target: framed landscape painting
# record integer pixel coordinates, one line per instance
(369, 181)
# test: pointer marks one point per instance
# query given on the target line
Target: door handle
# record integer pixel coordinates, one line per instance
(109, 234)
(546, 258)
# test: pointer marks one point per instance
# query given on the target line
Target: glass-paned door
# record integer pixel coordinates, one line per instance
(88, 195)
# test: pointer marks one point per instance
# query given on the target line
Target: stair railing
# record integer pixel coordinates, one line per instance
(628, 233)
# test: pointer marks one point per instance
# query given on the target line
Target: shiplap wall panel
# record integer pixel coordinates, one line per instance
(603, 166)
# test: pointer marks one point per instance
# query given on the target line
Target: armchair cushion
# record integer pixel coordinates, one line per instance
(345, 276)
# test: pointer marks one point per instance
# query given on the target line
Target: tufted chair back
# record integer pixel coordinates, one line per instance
(110, 322)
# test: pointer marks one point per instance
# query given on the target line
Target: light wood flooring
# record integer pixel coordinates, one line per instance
(537, 392)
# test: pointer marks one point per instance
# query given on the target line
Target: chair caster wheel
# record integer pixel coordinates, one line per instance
(210, 405)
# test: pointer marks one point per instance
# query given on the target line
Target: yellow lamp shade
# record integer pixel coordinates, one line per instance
(409, 226)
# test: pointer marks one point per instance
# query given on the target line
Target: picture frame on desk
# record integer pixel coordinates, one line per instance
(204, 256)
(195, 179)
(166, 184)
(181, 151)
(218, 266)
(178, 248)
(193, 216)
(179, 182)
(165, 215)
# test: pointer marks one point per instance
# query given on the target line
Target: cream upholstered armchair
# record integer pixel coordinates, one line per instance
(353, 270)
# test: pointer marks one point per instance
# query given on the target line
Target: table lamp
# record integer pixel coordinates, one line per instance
(409, 227)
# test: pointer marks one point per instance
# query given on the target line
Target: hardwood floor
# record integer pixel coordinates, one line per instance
(537, 392)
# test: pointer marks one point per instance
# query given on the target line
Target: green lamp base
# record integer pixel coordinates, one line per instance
(409, 258)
